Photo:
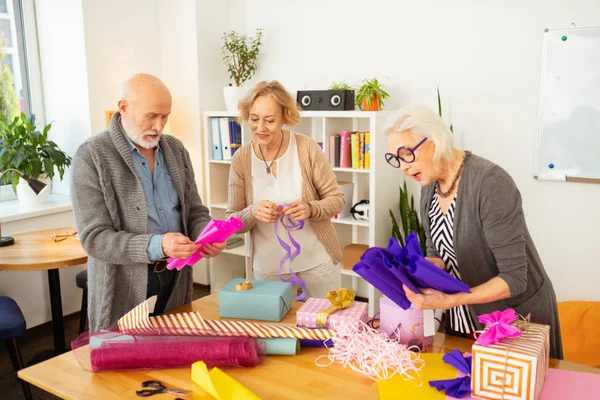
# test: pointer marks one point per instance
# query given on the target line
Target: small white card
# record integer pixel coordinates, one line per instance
(428, 323)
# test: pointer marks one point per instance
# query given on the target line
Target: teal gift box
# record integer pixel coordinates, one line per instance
(267, 300)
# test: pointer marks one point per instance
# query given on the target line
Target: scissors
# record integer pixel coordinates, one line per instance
(157, 387)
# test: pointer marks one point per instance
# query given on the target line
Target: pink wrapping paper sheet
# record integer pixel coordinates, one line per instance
(563, 385)
(307, 314)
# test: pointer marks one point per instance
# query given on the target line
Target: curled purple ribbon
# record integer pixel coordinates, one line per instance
(457, 387)
(290, 225)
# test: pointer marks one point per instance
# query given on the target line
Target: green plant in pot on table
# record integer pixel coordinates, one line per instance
(27, 149)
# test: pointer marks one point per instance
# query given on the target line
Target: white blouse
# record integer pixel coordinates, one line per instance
(287, 187)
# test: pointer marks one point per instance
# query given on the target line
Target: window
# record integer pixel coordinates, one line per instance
(19, 67)
(14, 81)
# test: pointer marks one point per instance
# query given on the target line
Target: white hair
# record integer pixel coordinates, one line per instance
(422, 122)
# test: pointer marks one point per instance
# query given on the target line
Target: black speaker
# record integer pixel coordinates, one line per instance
(326, 100)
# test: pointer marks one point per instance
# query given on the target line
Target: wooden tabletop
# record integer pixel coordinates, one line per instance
(278, 378)
(36, 251)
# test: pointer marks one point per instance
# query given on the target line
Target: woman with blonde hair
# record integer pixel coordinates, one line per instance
(278, 174)
(473, 218)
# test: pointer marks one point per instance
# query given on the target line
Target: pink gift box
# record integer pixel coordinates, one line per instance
(306, 316)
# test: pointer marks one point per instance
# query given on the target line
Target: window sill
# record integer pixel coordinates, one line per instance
(11, 211)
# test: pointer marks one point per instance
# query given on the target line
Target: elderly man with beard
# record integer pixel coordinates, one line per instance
(136, 204)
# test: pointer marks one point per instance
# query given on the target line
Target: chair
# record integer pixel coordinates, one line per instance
(580, 331)
(81, 282)
(12, 326)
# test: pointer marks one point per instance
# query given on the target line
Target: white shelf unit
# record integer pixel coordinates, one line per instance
(379, 185)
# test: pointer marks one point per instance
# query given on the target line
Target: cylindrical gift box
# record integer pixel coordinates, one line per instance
(405, 325)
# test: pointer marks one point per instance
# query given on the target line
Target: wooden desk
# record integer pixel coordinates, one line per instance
(280, 377)
(35, 251)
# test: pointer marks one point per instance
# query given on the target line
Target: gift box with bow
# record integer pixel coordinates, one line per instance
(337, 307)
(510, 358)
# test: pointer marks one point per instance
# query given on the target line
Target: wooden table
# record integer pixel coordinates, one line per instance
(36, 251)
(280, 377)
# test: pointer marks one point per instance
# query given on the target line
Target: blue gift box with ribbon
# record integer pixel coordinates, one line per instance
(265, 301)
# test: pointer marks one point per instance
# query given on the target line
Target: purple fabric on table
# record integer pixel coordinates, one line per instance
(457, 387)
(388, 269)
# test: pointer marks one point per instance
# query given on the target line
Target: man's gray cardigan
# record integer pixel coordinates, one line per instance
(491, 239)
(111, 217)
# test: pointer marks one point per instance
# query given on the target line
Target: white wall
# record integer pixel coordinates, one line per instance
(121, 38)
(64, 76)
(486, 58)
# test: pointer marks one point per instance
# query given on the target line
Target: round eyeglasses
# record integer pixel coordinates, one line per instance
(403, 154)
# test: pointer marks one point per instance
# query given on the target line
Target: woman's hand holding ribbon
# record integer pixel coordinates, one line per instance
(266, 211)
(298, 210)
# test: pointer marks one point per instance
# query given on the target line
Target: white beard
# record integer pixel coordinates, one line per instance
(138, 138)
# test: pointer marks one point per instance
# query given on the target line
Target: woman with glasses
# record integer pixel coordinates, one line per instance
(473, 218)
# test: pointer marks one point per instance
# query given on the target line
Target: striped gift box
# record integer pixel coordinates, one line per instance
(513, 369)
(138, 321)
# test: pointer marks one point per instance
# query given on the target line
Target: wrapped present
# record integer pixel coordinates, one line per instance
(406, 326)
(510, 366)
(261, 300)
(337, 307)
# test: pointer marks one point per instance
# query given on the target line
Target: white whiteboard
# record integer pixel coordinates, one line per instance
(569, 117)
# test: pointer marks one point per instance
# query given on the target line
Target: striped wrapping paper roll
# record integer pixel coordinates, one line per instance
(138, 321)
(514, 369)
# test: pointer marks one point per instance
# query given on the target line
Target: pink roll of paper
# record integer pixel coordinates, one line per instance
(215, 231)
(405, 325)
(108, 351)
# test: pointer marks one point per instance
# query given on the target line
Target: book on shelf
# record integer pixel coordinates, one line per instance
(350, 150)
(226, 137)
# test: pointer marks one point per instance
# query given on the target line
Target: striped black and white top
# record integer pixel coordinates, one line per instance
(442, 234)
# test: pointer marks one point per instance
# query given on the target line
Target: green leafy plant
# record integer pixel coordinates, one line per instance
(25, 148)
(340, 86)
(9, 101)
(240, 53)
(371, 90)
(440, 108)
(409, 217)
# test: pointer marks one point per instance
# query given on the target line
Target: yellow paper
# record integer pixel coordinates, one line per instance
(219, 385)
(418, 388)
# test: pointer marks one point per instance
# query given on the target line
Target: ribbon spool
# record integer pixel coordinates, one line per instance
(290, 225)
(245, 285)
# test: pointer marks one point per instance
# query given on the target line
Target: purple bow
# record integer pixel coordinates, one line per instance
(457, 387)
(290, 225)
(498, 326)
(387, 269)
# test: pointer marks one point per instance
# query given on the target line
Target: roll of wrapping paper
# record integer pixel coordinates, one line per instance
(114, 351)
(281, 346)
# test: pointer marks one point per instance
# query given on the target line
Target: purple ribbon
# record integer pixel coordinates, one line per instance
(457, 387)
(290, 225)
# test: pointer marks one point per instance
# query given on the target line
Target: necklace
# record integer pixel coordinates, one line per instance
(458, 174)
(274, 158)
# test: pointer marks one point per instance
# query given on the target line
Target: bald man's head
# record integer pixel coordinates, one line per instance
(144, 105)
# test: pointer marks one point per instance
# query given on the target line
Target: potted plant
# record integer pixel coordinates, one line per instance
(409, 218)
(239, 53)
(28, 150)
(340, 86)
(370, 96)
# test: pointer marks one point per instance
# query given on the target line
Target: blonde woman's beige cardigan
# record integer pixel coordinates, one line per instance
(319, 188)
